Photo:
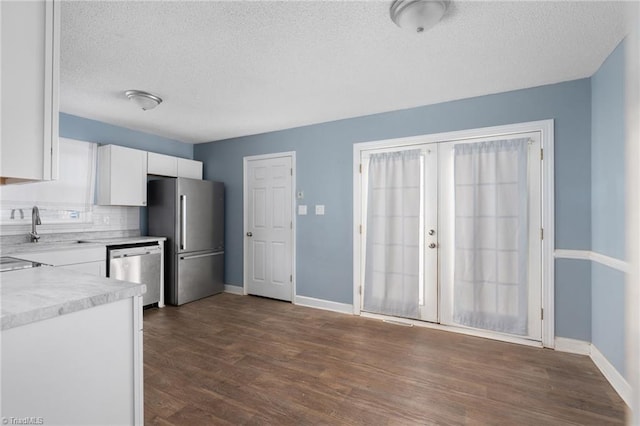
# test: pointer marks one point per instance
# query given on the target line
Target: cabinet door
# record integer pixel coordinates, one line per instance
(163, 165)
(30, 72)
(189, 168)
(122, 176)
(92, 268)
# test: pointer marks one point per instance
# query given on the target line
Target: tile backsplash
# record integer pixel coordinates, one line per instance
(67, 204)
(64, 219)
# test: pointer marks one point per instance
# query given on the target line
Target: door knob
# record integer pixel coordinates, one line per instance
(432, 245)
(249, 234)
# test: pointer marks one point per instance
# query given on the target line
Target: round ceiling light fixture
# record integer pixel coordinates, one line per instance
(417, 15)
(144, 100)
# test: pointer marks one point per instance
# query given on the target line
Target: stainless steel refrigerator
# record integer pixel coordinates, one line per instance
(190, 214)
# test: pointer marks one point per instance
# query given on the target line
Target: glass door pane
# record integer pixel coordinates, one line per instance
(400, 238)
(490, 216)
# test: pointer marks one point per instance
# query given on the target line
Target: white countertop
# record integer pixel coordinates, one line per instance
(124, 240)
(36, 294)
(13, 249)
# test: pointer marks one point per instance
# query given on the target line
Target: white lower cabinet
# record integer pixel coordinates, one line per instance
(93, 268)
(76, 369)
(83, 258)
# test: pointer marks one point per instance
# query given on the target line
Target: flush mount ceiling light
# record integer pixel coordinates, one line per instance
(417, 15)
(144, 100)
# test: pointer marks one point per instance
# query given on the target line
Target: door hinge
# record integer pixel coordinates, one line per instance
(291, 169)
(360, 168)
(360, 290)
(290, 278)
(541, 154)
(360, 229)
(541, 313)
(542, 233)
(290, 225)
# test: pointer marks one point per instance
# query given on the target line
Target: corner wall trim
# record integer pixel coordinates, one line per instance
(327, 305)
(573, 346)
(602, 259)
(612, 375)
(234, 289)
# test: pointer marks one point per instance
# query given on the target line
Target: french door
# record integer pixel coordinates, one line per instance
(451, 233)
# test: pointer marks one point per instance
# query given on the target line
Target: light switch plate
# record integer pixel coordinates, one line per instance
(319, 209)
(302, 210)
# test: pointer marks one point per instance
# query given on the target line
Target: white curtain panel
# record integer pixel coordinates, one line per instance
(491, 235)
(391, 282)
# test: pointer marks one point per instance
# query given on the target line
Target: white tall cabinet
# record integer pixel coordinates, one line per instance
(30, 46)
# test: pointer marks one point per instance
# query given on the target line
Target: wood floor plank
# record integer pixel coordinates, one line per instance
(231, 359)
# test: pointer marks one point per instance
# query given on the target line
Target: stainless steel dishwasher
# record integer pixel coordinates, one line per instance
(138, 263)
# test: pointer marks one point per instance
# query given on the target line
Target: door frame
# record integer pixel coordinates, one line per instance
(546, 129)
(245, 218)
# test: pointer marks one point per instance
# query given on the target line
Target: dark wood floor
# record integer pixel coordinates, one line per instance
(246, 360)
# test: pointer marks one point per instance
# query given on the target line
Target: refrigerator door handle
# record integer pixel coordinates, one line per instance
(195, 256)
(183, 222)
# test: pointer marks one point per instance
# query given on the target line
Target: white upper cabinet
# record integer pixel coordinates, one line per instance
(166, 165)
(122, 176)
(189, 168)
(163, 165)
(30, 47)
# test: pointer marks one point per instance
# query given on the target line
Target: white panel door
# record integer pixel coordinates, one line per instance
(269, 228)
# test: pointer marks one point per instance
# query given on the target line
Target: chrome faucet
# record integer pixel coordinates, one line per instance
(35, 220)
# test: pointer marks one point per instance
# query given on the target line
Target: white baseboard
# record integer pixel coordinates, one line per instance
(573, 346)
(234, 289)
(612, 375)
(327, 305)
(615, 379)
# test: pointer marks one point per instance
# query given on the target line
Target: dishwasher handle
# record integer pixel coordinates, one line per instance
(134, 251)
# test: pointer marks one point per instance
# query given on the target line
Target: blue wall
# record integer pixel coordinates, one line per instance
(573, 299)
(84, 129)
(608, 206)
(324, 163)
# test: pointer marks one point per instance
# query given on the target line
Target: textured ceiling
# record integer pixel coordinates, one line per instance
(234, 68)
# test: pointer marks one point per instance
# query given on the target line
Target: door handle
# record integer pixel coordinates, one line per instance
(196, 256)
(183, 222)
(249, 234)
(432, 245)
